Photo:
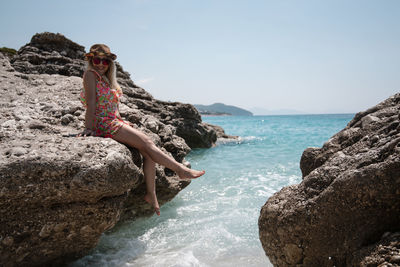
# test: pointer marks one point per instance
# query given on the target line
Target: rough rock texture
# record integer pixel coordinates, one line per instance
(59, 193)
(50, 53)
(348, 199)
(386, 252)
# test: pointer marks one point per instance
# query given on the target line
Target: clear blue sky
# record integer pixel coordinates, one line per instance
(331, 56)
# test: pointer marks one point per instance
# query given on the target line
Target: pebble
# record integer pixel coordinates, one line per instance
(66, 119)
(50, 82)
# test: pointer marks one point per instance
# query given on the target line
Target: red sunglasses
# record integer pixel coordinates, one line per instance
(104, 61)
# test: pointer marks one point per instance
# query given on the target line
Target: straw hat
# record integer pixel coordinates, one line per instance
(100, 50)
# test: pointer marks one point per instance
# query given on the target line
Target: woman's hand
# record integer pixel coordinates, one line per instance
(87, 132)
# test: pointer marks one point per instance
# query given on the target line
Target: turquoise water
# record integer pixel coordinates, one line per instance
(213, 222)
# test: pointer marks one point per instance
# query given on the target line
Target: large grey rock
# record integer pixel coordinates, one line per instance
(348, 199)
(49, 53)
(58, 194)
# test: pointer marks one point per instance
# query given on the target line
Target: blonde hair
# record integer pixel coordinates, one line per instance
(111, 74)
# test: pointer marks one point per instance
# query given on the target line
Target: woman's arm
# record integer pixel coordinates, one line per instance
(89, 82)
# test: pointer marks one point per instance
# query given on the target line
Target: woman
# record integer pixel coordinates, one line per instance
(101, 98)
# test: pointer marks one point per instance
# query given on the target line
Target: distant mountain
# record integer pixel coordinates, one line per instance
(222, 109)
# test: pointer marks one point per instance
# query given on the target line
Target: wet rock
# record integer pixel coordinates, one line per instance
(221, 132)
(348, 199)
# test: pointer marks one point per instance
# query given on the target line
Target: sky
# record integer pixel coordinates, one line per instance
(308, 56)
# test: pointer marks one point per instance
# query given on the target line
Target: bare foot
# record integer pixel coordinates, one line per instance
(186, 173)
(152, 200)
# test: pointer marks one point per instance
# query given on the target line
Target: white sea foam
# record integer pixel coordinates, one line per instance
(237, 141)
(173, 259)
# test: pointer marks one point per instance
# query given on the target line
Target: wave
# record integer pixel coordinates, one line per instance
(239, 140)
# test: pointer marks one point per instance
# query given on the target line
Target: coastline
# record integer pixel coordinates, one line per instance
(214, 220)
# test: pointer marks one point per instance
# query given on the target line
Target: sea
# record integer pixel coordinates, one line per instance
(214, 221)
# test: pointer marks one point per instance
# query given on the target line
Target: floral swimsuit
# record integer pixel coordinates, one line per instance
(107, 118)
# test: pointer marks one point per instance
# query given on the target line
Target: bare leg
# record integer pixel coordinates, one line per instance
(145, 145)
(149, 170)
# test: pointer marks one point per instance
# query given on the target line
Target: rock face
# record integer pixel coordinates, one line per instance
(348, 202)
(58, 194)
(50, 53)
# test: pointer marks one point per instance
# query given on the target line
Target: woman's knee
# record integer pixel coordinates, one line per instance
(135, 138)
(144, 155)
(147, 144)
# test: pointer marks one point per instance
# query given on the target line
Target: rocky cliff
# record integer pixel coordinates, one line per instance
(58, 193)
(346, 211)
